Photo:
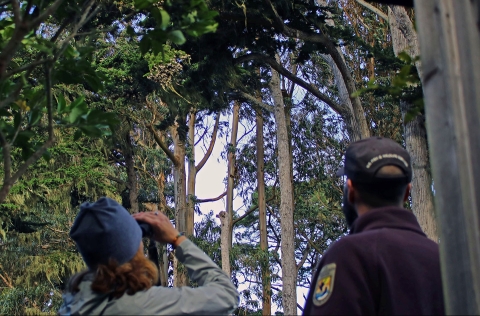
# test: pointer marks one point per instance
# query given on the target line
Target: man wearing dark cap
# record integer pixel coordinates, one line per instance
(386, 265)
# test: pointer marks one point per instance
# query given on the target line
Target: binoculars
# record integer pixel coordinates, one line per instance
(147, 230)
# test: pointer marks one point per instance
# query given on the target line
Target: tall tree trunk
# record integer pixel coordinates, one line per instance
(289, 277)
(162, 249)
(226, 218)
(404, 38)
(355, 121)
(353, 128)
(192, 175)
(180, 190)
(131, 174)
(262, 210)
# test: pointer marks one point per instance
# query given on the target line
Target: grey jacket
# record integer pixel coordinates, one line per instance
(215, 295)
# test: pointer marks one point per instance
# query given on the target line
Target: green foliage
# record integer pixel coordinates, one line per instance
(171, 21)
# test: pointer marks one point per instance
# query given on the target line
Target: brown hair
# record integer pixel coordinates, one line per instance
(138, 274)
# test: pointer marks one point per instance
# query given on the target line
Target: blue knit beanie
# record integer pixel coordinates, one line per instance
(104, 230)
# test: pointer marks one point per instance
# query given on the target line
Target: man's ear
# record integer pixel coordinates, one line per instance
(407, 192)
(351, 192)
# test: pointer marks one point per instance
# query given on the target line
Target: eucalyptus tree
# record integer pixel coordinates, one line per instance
(317, 149)
(395, 83)
(404, 38)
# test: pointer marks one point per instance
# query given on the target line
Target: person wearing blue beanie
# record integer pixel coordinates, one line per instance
(120, 280)
(104, 230)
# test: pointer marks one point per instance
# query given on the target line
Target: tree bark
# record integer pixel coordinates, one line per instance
(262, 210)
(227, 217)
(192, 176)
(289, 277)
(354, 129)
(449, 36)
(338, 58)
(131, 174)
(180, 189)
(404, 38)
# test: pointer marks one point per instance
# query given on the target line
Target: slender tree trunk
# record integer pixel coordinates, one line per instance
(180, 190)
(131, 174)
(226, 218)
(353, 129)
(262, 210)
(162, 249)
(192, 175)
(289, 277)
(404, 38)
(354, 116)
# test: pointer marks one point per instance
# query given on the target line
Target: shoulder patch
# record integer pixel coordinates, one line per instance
(324, 285)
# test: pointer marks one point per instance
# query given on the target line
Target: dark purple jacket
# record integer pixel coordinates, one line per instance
(386, 266)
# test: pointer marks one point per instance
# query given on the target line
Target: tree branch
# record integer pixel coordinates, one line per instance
(210, 148)
(304, 257)
(120, 181)
(212, 200)
(6, 280)
(253, 100)
(301, 233)
(300, 307)
(16, 13)
(375, 10)
(283, 71)
(45, 14)
(252, 208)
(164, 147)
(27, 67)
(83, 19)
(337, 57)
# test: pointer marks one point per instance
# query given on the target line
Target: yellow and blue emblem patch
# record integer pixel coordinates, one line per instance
(324, 285)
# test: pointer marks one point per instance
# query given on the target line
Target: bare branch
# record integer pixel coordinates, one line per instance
(337, 56)
(212, 143)
(164, 147)
(120, 181)
(27, 67)
(16, 131)
(375, 10)
(57, 230)
(7, 280)
(304, 257)
(301, 233)
(300, 307)
(252, 208)
(253, 100)
(212, 200)
(283, 71)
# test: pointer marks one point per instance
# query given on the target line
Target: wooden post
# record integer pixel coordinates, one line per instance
(449, 37)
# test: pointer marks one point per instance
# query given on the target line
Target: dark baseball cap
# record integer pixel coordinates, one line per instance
(365, 157)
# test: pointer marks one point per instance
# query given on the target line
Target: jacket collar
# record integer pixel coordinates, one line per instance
(387, 217)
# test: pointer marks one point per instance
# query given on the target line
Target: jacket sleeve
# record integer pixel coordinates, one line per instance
(344, 283)
(215, 294)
